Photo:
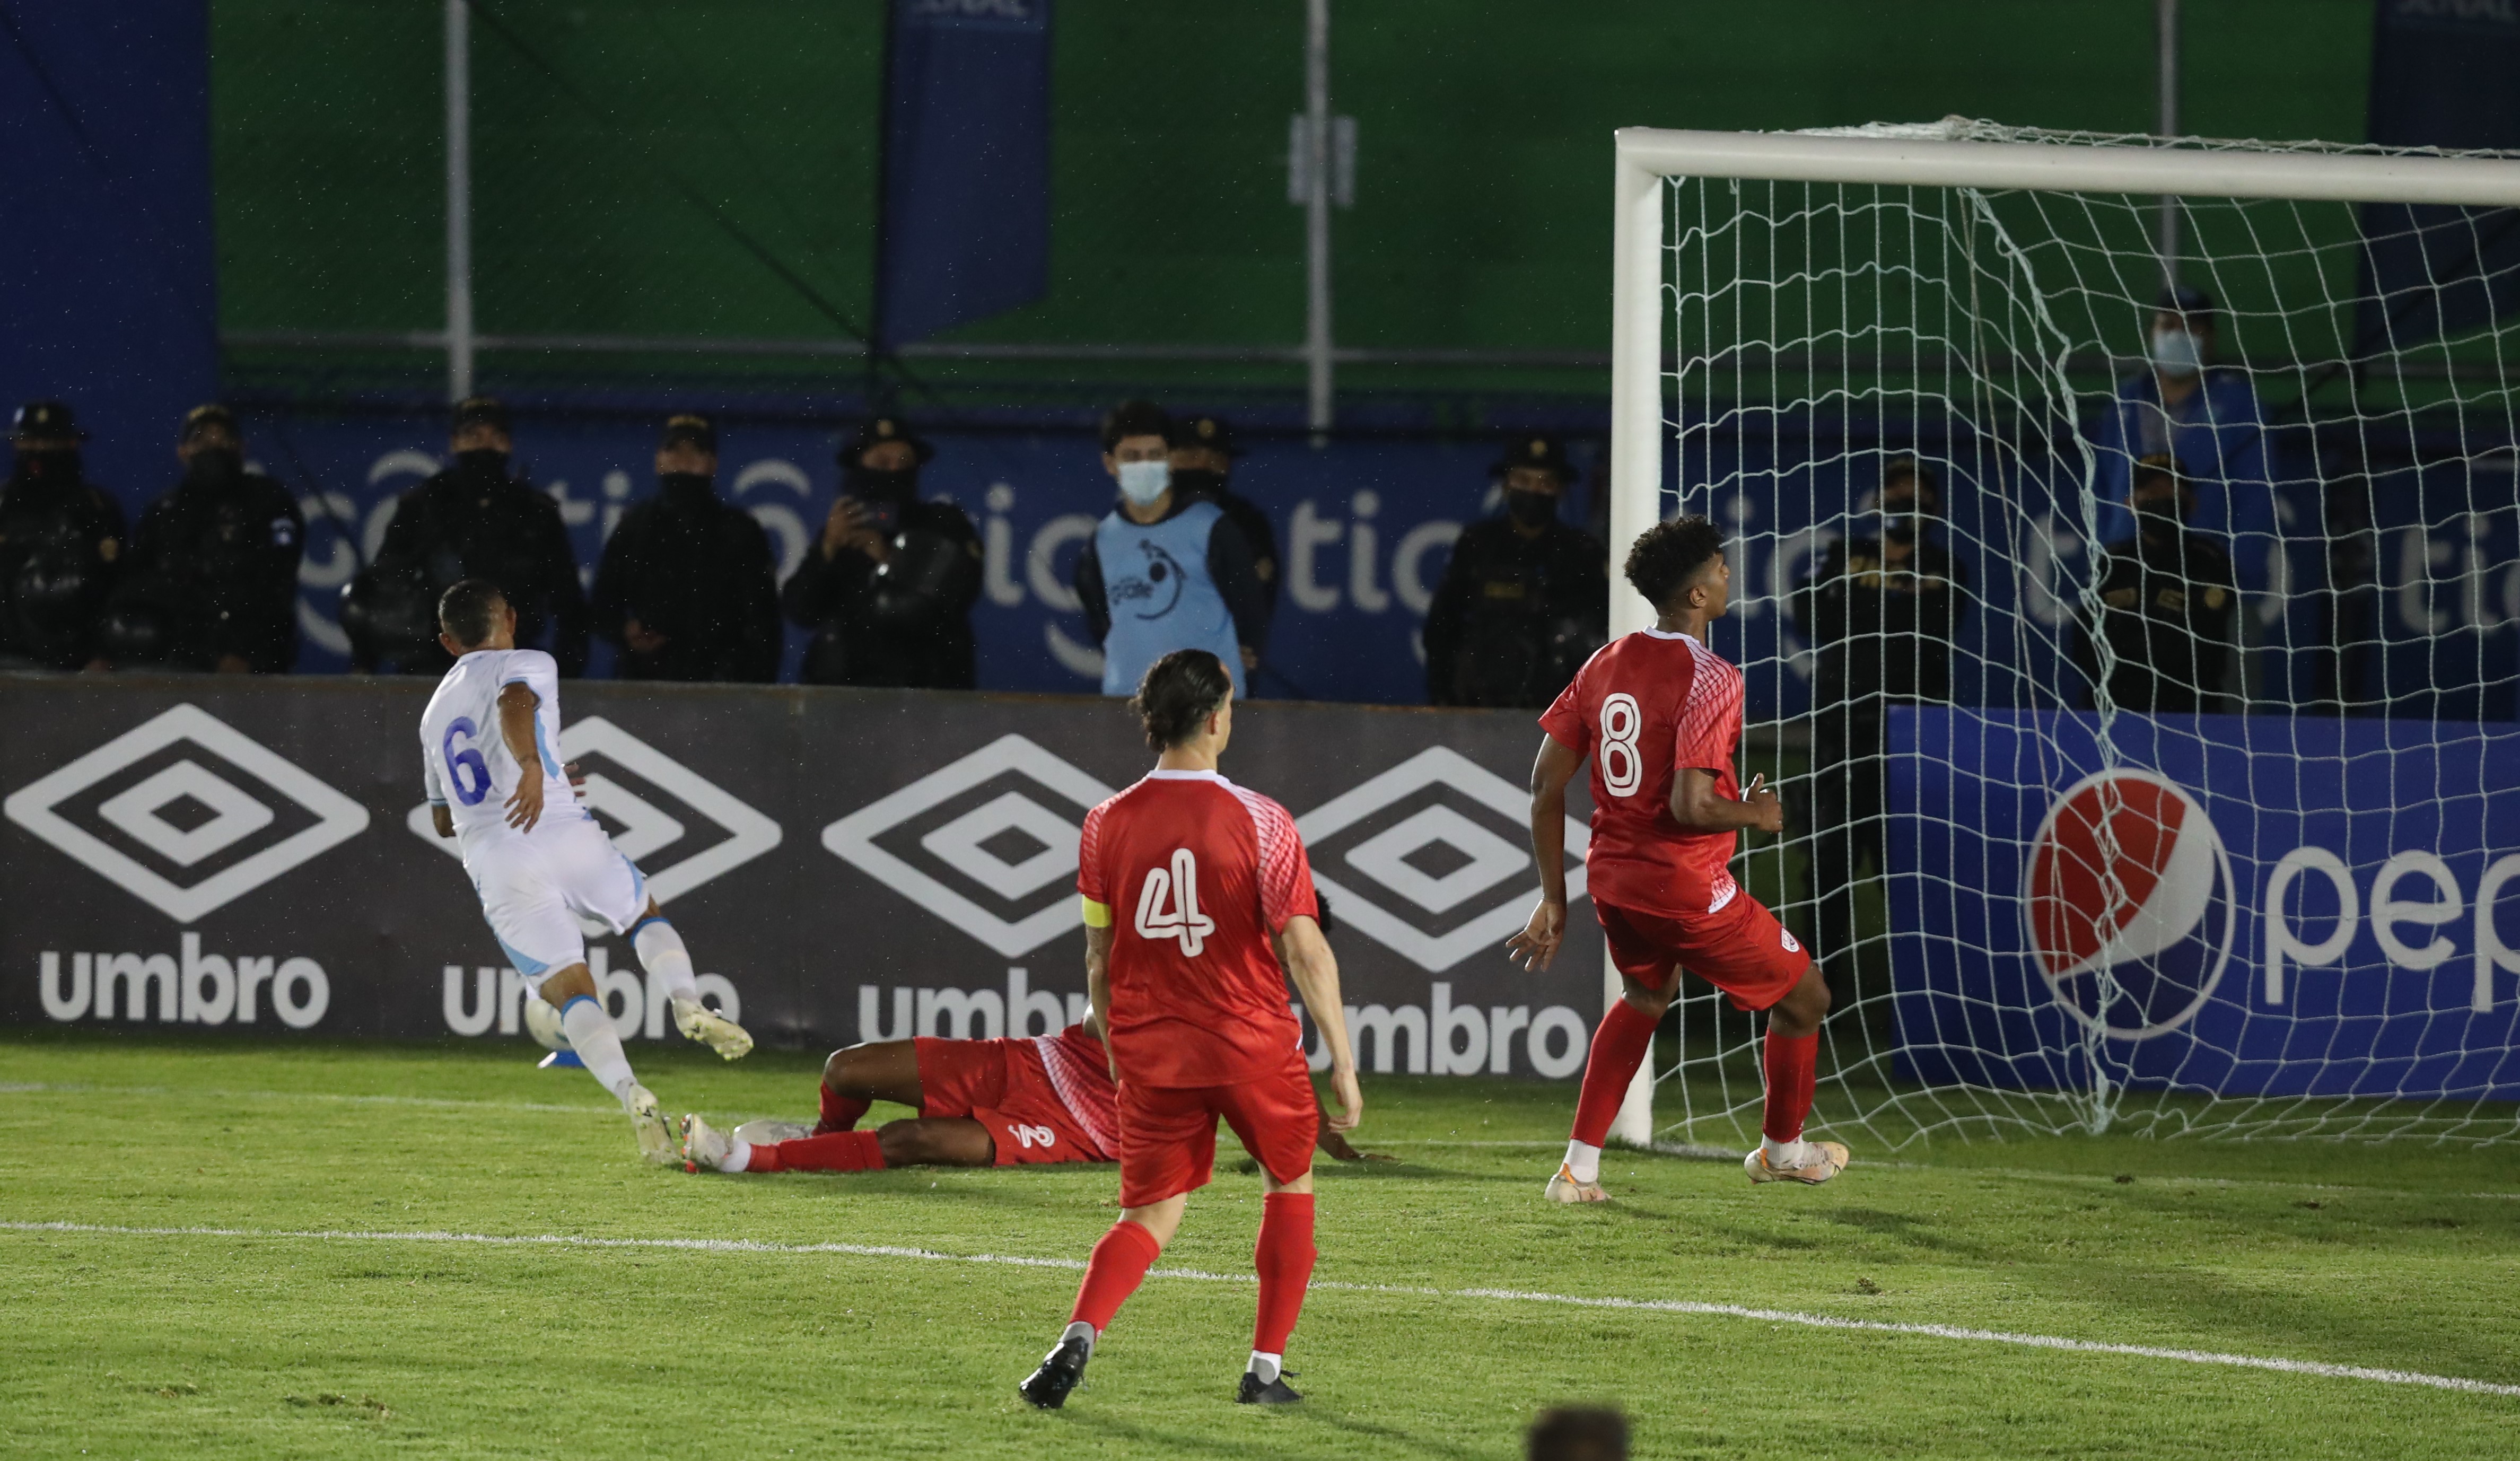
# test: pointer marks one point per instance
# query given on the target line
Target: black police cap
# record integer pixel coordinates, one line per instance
(1210, 432)
(201, 417)
(688, 429)
(46, 421)
(1540, 451)
(483, 411)
(876, 432)
(2185, 299)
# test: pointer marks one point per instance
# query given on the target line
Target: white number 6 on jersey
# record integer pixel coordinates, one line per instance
(1182, 919)
(1622, 770)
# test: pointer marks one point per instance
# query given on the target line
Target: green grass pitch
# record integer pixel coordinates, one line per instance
(290, 1338)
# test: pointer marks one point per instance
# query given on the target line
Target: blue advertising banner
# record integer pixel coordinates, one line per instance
(1364, 531)
(2230, 905)
(965, 220)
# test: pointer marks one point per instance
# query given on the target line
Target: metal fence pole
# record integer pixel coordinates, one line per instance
(2165, 15)
(459, 200)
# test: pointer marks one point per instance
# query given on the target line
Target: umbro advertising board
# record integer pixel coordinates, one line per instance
(2241, 906)
(225, 857)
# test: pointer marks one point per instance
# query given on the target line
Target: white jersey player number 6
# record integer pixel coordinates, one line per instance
(1168, 905)
(1622, 770)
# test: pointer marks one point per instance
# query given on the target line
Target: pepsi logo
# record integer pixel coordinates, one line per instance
(2129, 904)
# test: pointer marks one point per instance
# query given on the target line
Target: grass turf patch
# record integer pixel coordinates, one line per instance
(2390, 1256)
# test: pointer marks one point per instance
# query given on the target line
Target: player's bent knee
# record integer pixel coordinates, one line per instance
(563, 986)
(1301, 1183)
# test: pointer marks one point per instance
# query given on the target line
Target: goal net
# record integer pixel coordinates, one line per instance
(2126, 562)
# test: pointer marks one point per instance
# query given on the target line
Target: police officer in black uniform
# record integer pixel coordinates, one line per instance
(687, 589)
(471, 520)
(2170, 607)
(1881, 609)
(1203, 450)
(61, 545)
(889, 588)
(1526, 598)
(210, 582)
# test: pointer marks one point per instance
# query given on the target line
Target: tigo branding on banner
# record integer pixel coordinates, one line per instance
(186, 813)
(2129, 904)
(1002, 868)
(1439, 842)
(634, 789)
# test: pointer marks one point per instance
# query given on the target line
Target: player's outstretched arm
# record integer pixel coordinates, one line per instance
(1557, 764)
(1697, 806)
(1308, 959)
(516, 707)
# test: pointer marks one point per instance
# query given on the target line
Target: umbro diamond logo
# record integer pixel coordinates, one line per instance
(647, 801)
(186, 813)
(1431, 857)
(986, 864)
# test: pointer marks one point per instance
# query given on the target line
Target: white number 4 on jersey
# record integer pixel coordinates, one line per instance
(1182, 919)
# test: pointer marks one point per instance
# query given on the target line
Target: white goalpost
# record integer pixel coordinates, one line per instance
(2223, 863)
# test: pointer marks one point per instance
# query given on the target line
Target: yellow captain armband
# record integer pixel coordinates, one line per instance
(1096, 915)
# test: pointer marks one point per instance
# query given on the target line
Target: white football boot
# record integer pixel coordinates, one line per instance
(769, 1131)
(656, 1138)
(1812, 1164)
(704, 1147)
(1564, 1188)
(697, 1022)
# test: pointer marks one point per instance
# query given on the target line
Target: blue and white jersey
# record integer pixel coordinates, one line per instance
(1161, 595)
(464, 763)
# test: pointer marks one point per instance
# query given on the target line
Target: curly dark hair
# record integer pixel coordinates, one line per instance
(1669, 554)
(1179, 691)
(470, 610)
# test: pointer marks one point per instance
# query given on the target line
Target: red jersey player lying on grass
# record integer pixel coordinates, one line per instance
(1198, 907)
(981, 1103)
(1660, 714)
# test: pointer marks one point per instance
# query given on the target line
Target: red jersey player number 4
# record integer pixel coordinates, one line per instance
(1198, 907)
(1658, 715)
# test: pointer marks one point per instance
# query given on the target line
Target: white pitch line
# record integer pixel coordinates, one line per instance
(1508, 1296)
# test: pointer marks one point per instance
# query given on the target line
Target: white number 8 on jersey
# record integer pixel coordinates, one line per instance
(1182, 920)
(1622, 770)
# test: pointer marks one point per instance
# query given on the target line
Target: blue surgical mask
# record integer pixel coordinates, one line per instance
(2175, 352)
(1142, 483)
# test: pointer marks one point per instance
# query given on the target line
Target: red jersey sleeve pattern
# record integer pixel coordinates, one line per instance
(1082, 1077)
(1710, 722)
(1088, 858)
(1285, 872)
(1564, 721)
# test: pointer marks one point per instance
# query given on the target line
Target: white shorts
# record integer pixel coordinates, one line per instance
(536, 889)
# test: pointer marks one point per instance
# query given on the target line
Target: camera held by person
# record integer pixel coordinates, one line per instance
(1525, 600)
(61, 545)
(211, 581)
(888, 587)
(472, 519)
(687, 589)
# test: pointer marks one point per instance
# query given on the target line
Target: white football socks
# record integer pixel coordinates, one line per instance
(597, 1043)
(1583, 1162)
(1784, 1154)
(738, 1158)
(1266, 1368)
(661, 953)
(1081, 1329)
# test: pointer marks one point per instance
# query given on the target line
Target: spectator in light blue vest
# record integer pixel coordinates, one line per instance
(1162, 572)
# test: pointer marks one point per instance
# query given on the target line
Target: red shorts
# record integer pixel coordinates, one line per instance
(1002, 1085)
(1168, 1133)
(1739, 949)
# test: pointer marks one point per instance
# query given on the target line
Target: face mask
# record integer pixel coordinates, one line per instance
(49, 465)
(1531, 509)
(1197, 482)
(889, 484)
(215, 466)
(683, 484)
(1142, 483)
(2175, 352)
(483, 460)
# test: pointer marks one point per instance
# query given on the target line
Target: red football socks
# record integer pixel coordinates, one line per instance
(840, 1112)
(1620, 1045)
(1285, 1257)
(837, 1152)
(1119, 1265)
(1792, 1065)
